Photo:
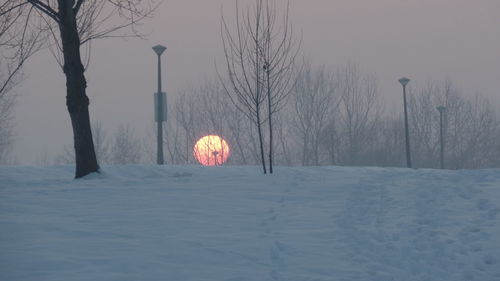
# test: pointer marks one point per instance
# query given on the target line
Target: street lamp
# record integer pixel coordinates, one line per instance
(441, 110)
(403, 82)
(160, 99)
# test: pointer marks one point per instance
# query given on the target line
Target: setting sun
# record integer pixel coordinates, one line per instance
(211, 150)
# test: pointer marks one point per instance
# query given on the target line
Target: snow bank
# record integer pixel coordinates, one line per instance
(232, 223)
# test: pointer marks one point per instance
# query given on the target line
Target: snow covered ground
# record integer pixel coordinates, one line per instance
(235, 224)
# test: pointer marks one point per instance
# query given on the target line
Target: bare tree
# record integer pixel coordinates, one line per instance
(126, 148)
(260, 55)
(7, 100)
(187, 117)
(13, 54)
(359, 108)
(123, 148)
(471, 128)
(330, 139)
(16, 45)
(315, 103)
(386, 146)
(66, 25)
(245, 67)
(279, 52)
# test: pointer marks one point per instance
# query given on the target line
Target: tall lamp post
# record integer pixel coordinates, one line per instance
(441, 110)
(403, 82)
(160, 107)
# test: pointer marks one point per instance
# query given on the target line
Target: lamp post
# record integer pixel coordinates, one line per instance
(160, 101)
(441, 110)
(403, 82)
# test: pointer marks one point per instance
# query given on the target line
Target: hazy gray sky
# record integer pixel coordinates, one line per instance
(421, 39)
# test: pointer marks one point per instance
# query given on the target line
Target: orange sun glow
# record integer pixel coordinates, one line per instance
(211, 150)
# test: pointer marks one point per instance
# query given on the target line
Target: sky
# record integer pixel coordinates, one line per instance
(423, 40)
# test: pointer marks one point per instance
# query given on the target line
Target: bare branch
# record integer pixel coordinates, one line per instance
(45, 9)
(10, 9)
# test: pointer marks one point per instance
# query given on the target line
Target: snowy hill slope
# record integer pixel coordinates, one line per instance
(232, 223)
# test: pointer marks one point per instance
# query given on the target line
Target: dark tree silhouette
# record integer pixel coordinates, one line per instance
(67, 25)
(260, 57)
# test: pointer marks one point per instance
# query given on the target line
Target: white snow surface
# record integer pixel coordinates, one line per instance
(233, 223)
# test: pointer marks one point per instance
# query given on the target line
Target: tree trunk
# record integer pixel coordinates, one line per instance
(77, 101)
(270, 112)
(261, 141)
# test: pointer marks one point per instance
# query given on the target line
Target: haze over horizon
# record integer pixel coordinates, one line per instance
(422, 39)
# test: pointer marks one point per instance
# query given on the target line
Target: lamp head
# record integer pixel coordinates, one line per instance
(404, 81)
(441, 108)
(159, 49)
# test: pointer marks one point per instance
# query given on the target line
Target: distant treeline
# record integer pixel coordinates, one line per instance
(338, 117)
(331, 117)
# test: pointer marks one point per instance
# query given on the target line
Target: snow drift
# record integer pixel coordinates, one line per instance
(233, 223)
